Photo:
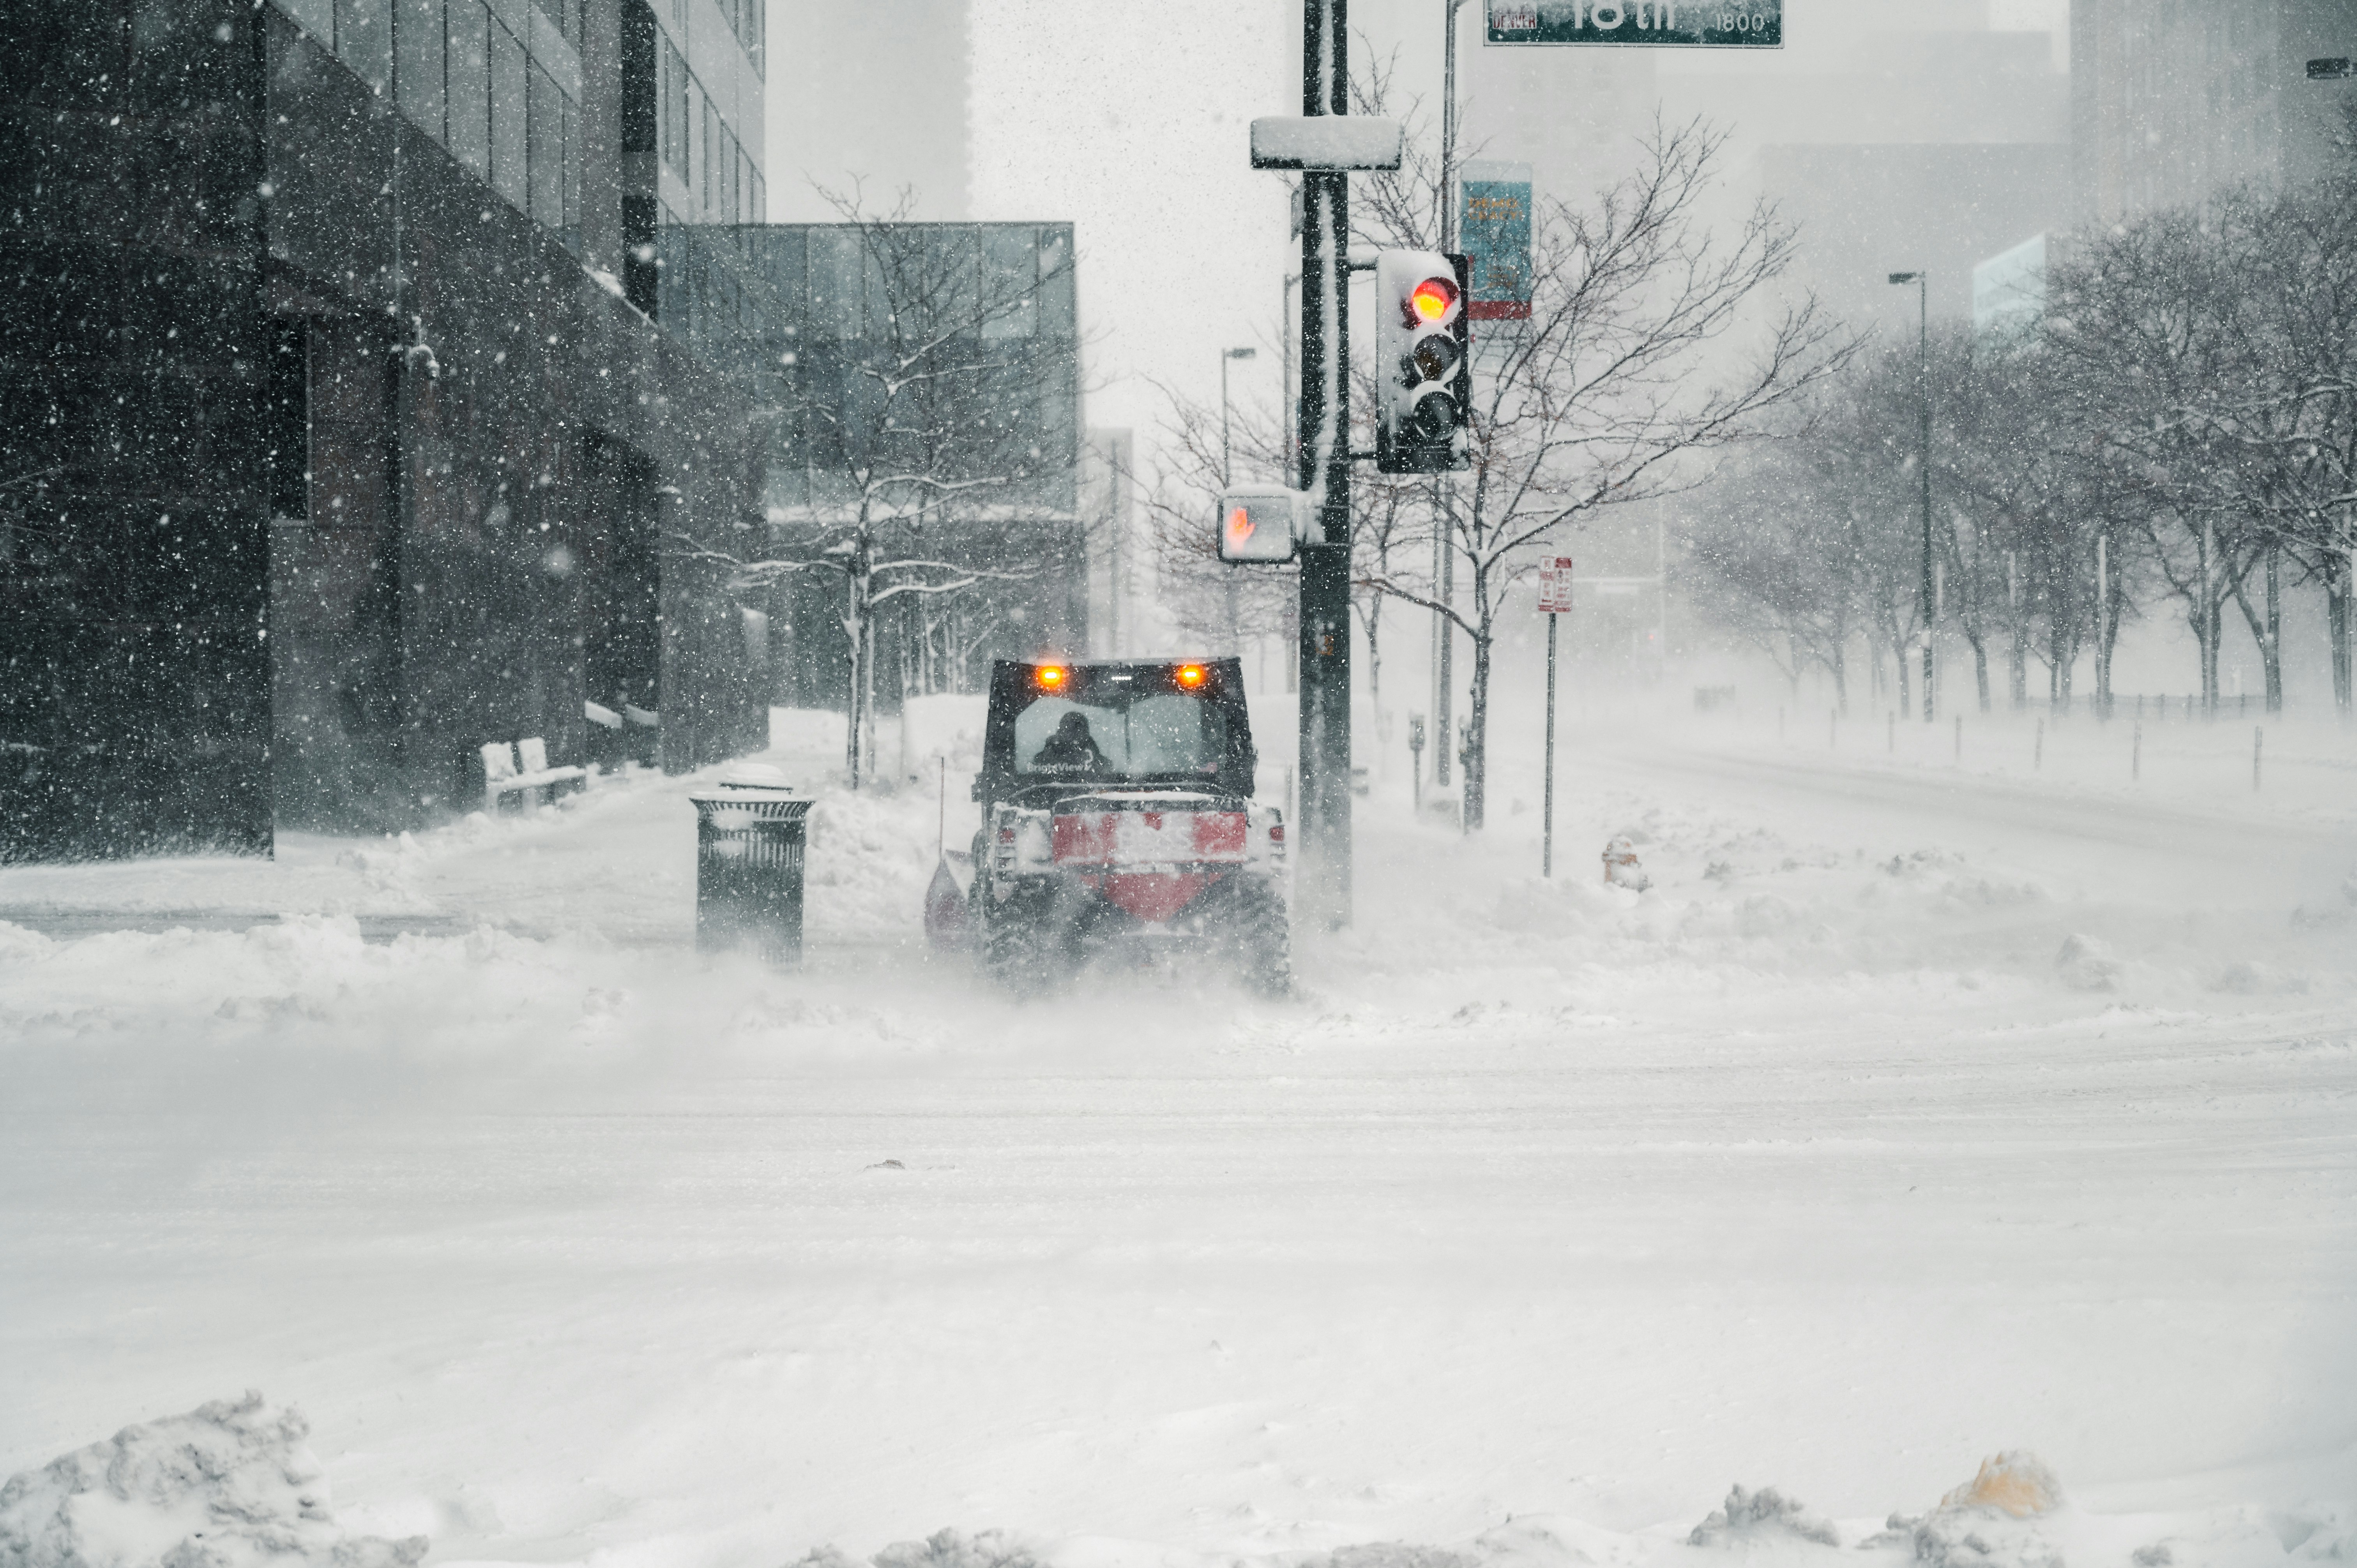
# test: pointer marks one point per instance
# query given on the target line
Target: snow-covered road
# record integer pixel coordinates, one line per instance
(1907, 1119)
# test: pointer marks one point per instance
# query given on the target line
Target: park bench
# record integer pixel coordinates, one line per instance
(522, 770)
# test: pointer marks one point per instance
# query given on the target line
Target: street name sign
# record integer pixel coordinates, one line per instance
(1653, 24)
(1554, 584)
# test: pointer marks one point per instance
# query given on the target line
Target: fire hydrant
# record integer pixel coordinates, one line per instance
(1621, 867)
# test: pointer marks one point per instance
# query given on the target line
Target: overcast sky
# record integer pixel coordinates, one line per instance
(1130, 120)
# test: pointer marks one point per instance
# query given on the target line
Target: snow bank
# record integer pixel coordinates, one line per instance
(1766, 1513)
(230, 1485)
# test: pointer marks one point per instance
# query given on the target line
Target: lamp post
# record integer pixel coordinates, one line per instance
(1924, 459)
(1226, 476)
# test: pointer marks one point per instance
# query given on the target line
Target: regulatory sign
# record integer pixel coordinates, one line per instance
(1554, 584)
(1659, 23)
(1495, 222)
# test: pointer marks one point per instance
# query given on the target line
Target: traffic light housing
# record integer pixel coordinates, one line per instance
(1258, 523)
(1423, 361)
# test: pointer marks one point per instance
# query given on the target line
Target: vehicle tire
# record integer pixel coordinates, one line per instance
(1017, 944)
(1261, 929)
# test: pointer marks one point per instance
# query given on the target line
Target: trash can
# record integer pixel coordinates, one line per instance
(750, 832)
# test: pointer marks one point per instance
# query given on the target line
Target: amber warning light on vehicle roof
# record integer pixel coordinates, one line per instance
(1190, 676)
(1051, 677)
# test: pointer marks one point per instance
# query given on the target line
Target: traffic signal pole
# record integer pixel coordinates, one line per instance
(1322, 883)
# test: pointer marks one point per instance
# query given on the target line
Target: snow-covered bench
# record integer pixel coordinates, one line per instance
(522, 770)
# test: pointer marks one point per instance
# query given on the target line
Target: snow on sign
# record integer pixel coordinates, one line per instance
(1554, 584)
(1326, 142)
(1660, 24)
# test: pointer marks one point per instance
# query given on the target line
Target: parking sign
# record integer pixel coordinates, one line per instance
(1554, 584)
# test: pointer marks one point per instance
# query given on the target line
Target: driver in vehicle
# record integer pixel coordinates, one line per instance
(1071, 747)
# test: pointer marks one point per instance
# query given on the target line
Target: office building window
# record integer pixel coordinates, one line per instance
(566, 15)
(364, 39)
(459, 74)
(709, 148)
(469, 60)
(287, 416)
(573, 151)
(675, 111)
(418, 41)
(508, 90)
(544, 154)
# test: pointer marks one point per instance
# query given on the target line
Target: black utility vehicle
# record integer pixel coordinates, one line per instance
(1117, 814)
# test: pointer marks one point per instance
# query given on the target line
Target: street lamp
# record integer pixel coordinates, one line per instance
(1225, 355)
(1923, 407)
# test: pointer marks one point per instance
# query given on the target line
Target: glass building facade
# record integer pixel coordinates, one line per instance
(497, 83)
(336, 447)
(810, 317)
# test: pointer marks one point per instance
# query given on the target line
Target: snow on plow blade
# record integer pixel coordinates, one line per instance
(945, 910)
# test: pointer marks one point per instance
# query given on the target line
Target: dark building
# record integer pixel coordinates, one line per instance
(2173, 103)
(342, 433)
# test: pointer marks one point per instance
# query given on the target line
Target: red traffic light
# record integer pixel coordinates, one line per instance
(1428, 301)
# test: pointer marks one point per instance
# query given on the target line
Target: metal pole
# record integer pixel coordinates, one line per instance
(1449, 135)
(1660, 600)
(1284, 394)
(1546, 811)
(1323, 885)
(1923, 390)
(1227, 475)
(1444, 498)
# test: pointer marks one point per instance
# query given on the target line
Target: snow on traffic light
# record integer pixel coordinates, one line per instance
(1423, 363)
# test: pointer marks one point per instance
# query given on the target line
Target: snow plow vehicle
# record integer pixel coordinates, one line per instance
(1117, 817)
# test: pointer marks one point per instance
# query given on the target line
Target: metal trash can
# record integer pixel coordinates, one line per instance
(750, 834)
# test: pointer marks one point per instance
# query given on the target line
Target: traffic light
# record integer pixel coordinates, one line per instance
(1257, 523)
(1424, 365)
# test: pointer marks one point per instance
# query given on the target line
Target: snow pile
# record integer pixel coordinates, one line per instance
(2316, 1533)
(230, 1485)
(942, 1549)
(1765, 1514)
(870, 857)
(1994, 1519)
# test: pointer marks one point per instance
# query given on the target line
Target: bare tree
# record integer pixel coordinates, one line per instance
(925, 465)
(1604, 395)
(1774, 560)
(1224, 605)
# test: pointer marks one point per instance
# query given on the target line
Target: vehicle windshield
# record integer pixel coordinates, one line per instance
(1115, 735)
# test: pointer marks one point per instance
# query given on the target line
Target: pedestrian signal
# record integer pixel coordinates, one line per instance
(1258, 523)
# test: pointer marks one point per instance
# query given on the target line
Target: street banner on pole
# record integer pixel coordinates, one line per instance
(1656, 24)
(1494, 227)
(1554, 584)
